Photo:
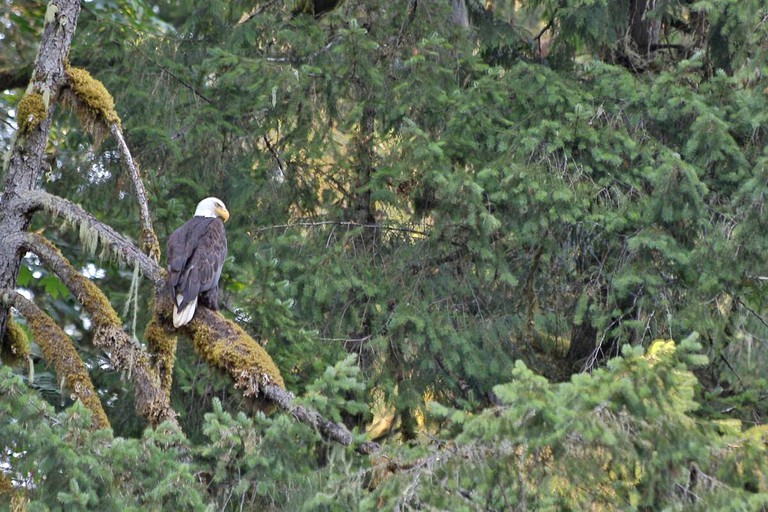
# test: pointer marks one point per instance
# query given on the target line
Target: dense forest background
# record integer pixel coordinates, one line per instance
(520, 245)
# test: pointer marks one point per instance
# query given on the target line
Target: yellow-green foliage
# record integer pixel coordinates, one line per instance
(15, 347)
(32, 111)
(239, 354)
(92, 102)
(162, 345)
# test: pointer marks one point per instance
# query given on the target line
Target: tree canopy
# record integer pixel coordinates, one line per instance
(490, 255)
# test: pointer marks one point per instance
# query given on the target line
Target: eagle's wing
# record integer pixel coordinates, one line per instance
(196, 253)
(209, 261)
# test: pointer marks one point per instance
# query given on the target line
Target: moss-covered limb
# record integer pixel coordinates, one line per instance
(94, 233)
(25, 161)
(223, 344)
(91, 101)
(58, 350)
(161, 343)
(6, 486)
(15, 346)
(151, 401)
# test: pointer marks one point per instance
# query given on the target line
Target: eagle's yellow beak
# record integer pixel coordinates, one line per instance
(223, 213)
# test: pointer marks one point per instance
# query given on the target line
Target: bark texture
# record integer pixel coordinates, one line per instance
(27, 156)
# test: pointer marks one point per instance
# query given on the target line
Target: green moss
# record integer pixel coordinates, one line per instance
(91, 101)
(94, 301)
(162, 345)
(31, 112)
(233, 350)
(88, 294)
(58, 350)
(6, 486)
(15, 347)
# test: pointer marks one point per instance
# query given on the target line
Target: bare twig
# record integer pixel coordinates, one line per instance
(351, 224)
(149, 242)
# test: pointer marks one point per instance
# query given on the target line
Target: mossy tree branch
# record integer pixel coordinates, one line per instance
(114, 245)
(224, 345)
(58, 350)
(151, 401)
(95, 108)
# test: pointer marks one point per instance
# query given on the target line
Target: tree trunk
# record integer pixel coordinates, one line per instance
(643, 31)
(460, 13)
(27, 157)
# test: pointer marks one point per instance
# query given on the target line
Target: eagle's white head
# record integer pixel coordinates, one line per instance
(212, 207)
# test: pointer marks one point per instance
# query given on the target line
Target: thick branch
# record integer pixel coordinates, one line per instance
(58, 350)
(151, 401)
(113, 243)
(223, 344)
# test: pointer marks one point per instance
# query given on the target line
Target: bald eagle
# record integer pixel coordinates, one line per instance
(196, 253)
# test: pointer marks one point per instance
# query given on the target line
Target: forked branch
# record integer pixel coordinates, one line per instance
(126, 354)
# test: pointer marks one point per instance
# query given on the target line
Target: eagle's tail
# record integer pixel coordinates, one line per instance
(184, 316)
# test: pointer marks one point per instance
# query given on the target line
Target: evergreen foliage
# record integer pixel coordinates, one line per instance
(424, 214)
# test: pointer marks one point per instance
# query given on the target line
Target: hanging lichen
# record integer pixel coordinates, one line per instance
(91, 101)
(90, 236)
(15, 346)
(31, 112)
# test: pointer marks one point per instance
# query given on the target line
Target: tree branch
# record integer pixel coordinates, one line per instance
(95, 232)
(149, 243)
(328, 429)
(151, 401)
(223, 344)
(58, 350)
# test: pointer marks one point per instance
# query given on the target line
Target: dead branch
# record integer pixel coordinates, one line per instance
(57, 349)
(149, 243)
(151, 401)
